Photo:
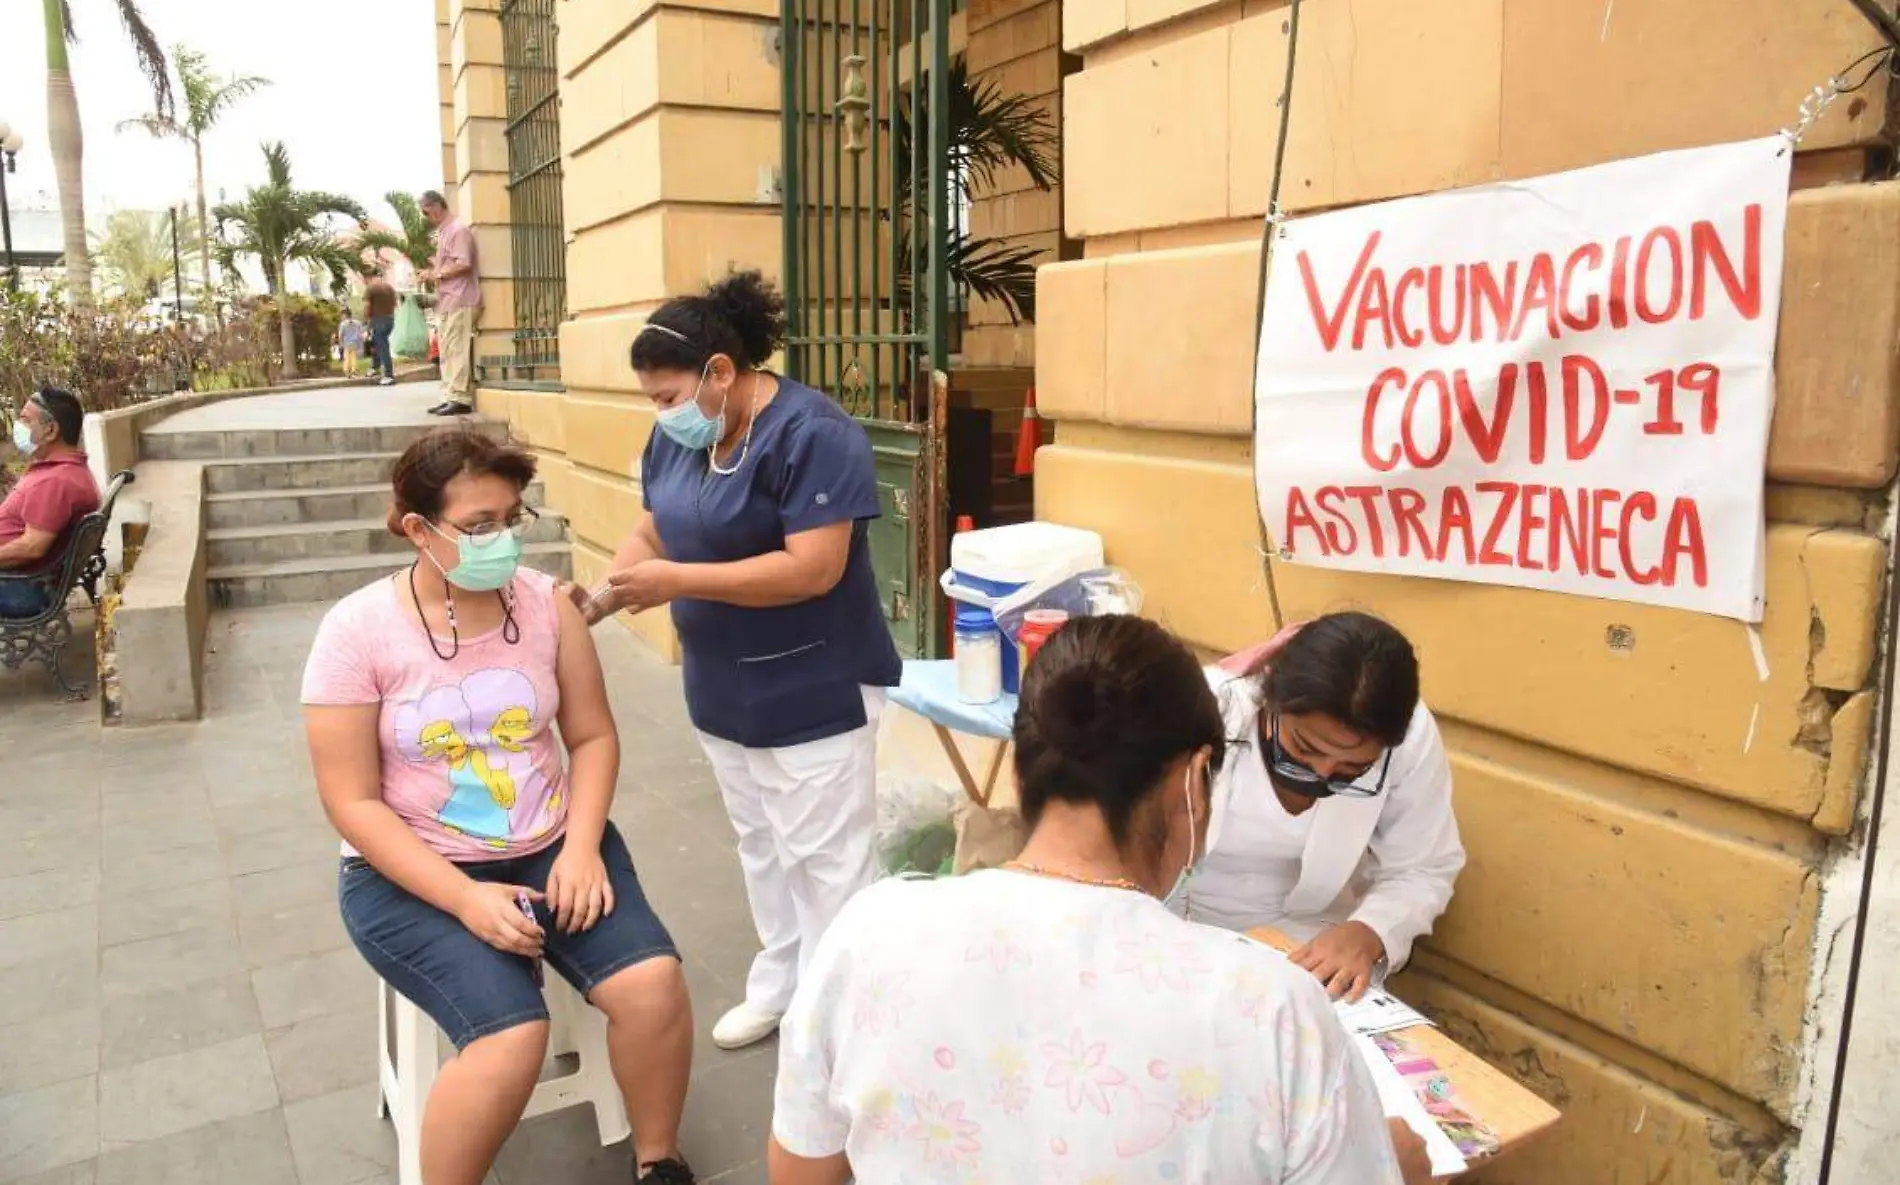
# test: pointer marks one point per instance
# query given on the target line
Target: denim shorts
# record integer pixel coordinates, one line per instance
(469, 988)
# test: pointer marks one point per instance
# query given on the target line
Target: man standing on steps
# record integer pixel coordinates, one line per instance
(458, 287)
(379, 309)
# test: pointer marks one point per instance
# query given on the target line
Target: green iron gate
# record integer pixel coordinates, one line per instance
(538, 245)
(867, 196)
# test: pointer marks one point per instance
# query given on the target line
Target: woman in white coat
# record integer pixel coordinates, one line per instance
(1333, 821)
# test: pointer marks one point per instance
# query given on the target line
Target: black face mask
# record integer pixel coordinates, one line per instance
(1295, 777)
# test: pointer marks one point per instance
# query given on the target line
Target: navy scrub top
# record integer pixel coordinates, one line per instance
(767, 678)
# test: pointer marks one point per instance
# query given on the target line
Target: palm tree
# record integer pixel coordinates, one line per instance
(416, 243)
(135, 256)
(207, 98)
(280, 225)
(989, 132)
(62, 123)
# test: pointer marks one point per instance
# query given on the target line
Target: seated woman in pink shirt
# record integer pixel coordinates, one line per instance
(472, 852)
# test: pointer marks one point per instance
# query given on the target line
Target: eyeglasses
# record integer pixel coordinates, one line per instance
(1307, 780)
(517, 524)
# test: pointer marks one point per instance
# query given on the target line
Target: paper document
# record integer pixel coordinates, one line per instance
(1399, 1102)
(1378, 1011)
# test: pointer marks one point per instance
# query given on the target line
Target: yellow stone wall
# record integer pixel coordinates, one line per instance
(445, 90)
(476, 159)
(1016, 47)
(1646, 820)
(669, 135)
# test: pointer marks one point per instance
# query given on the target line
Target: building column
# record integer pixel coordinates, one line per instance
(479, 168)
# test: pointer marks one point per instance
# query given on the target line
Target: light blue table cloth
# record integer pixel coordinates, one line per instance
(930, 690)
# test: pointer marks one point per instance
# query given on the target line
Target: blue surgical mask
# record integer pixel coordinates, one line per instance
(23, 437)
(688, 426)
(483, 566)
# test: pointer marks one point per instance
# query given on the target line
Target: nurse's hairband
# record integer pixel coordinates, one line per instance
(673, 333)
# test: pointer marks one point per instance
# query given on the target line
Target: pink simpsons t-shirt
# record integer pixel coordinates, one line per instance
(470, 759)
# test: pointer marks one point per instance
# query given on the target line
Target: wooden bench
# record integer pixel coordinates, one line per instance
(42, 638)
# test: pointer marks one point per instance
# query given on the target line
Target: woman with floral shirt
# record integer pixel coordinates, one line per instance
(1051, 1020)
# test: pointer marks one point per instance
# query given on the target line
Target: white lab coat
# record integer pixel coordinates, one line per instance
(1388, 861)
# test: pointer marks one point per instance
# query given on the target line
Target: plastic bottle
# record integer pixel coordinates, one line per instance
(979, 656)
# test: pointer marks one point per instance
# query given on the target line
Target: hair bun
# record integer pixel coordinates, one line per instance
(754, 309)
(1082, 714)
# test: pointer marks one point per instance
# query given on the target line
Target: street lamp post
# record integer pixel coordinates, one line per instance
(10, 144)
(178, 281)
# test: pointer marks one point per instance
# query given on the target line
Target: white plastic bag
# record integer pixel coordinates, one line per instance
(1095, 593)
(916, 824)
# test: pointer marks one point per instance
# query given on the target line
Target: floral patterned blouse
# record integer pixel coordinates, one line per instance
(1001, 1027)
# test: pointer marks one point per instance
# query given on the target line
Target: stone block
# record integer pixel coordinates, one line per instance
(1836, 421)
(482, 147)
(1200, 568)
(1086, 23)
(1179, 339)
(1143, 13)
(1727, 1005)
(481, 92)
(609, 433)
(482, 199)
(475, 40)
(602, 508)
(163, 613)
(1035, 26)
(1619, 1126)
(1162, 117)
(1390, 97)
(620, 263)
(1072, 339)
(596, 353)
(537, 418)
(1754, 60)
(681, 57)
(704, 245)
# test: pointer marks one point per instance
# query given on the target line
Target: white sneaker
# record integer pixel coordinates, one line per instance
(743, 1026)
(386, 381)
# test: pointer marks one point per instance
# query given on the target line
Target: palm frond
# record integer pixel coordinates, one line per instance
(415, 227)
(159, 127)
(150, 53)
(317, 204)
(277, 164)
(985, 268)
(225, 97)
(991, 131)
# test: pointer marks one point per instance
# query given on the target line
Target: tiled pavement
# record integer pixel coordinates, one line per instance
(178, 1002)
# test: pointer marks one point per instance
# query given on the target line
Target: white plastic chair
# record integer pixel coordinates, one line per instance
(409, 1057)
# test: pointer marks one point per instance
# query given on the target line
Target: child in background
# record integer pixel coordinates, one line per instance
(349, 335)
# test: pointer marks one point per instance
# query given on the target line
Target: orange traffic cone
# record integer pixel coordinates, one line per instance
(1030, 438)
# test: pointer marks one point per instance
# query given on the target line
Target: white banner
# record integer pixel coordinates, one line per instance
(1564, 383)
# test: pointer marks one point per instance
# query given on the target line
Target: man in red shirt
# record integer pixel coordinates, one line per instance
(56, 491)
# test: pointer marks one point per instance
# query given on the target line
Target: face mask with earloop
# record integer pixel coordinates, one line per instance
(688, 425)
(1196, 854)
(481, 567)
(23, 437)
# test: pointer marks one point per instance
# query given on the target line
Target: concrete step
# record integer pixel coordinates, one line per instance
(338, 503)
(236, 547)
(298, 473)
(330, 578)
(162, 445)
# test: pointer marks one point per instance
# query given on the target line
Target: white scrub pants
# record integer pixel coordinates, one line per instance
(807, 822)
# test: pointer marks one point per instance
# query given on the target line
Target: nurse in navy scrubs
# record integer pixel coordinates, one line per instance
(758, 491)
